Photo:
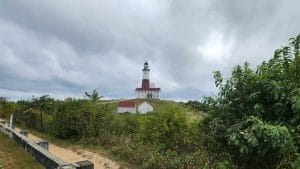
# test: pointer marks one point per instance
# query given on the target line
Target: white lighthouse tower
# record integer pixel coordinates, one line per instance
(146, 71)
(146, 91)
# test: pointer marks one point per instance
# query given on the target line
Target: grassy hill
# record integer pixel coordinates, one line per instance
(166, 105)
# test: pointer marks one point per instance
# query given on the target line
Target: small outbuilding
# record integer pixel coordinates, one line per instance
(145, 107)
(126, 106)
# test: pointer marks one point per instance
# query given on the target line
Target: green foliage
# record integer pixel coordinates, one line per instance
(256, 143)
(126, 124)
(7, 108)
(165, 129)
(198, 106)
(256, 113)
(94, 96)
(149, 157)
(77, 119)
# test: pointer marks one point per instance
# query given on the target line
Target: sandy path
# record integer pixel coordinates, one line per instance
(75, 155)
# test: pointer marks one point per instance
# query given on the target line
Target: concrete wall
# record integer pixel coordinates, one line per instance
(126, 109)
(44, 157)
(48, 160)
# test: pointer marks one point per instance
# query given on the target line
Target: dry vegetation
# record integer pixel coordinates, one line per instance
(12, 156)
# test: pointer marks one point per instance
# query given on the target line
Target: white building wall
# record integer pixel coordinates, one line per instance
(126, 109)
(145, 108)
(143, 94)
(146, 74)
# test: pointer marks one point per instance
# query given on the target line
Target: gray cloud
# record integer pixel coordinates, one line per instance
(64, 48)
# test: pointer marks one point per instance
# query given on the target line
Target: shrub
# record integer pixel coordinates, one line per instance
(165, 129)
(257, 144)
(256, 113)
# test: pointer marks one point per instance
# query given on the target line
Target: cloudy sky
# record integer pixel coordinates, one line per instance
(66, 47)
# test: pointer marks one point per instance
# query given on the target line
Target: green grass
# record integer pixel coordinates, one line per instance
(166, 105)
(13, 156)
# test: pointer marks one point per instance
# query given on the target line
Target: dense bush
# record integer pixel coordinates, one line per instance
(166, 129)
(257, 143)
(198, 106)
(256, 113)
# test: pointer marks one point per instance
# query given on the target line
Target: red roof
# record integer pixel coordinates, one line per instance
(147, 89)
(126, 103)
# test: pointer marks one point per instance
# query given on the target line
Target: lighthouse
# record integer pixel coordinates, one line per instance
(145, 81)
(146, 91)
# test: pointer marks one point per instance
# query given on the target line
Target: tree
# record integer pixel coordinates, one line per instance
(94, 96)
(256, 112)
(41, 105)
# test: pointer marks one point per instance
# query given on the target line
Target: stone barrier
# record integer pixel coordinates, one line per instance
(24, 133)
(85, 164)
(48, 160)
(40, 152)
(2, 122)
(44, 144)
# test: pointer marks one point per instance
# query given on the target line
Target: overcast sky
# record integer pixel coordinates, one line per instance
(66, 47)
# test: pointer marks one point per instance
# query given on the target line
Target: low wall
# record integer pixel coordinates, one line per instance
(48, 160)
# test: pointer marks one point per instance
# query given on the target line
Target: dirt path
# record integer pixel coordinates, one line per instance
(75, 155)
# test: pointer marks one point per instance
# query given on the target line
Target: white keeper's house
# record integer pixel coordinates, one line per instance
(133, 106)
(144, 108)
(126, 106)
(146, 91)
